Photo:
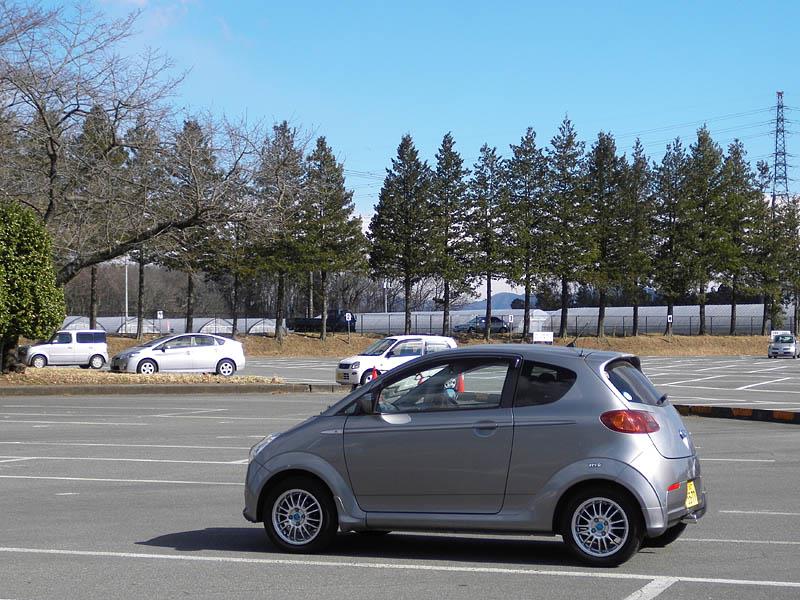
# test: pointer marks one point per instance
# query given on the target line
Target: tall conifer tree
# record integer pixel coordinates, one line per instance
(400, 230)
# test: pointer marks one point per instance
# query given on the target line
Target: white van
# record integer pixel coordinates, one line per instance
(388, 353)
(85, 348)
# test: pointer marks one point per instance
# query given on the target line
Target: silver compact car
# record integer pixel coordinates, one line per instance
(515, 438)
(192, 352)
(783, 344)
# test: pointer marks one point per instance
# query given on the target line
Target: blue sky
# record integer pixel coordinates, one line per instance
(365, 73)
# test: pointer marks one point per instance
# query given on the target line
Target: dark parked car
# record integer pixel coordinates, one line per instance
(337, 321)
(478, 325)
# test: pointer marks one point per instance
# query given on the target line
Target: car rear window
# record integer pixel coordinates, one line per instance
(91, 337)
(632, 383)
(540, 383)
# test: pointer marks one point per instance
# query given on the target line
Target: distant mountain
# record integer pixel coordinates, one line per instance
(500, 301)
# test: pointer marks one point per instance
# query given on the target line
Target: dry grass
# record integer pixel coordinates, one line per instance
(71, 376)
(337, 345)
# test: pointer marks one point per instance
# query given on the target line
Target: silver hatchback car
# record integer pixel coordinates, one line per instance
(513, 438)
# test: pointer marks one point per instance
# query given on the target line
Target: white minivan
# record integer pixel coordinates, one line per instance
(83, 347)
(388, 353)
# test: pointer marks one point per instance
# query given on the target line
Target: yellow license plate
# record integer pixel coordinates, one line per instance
(691, 495)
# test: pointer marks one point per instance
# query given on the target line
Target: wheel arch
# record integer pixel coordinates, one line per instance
(148, 359)
(280, 476)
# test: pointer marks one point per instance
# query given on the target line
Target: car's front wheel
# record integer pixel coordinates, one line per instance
(226, 367)
(367, 376)
(602, 526)
(39, 361)
(97, 362)
(299, 515)
(147, 367)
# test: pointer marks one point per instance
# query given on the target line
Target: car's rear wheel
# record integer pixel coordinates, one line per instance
(602, 526)
(147, 367)
(299, 515)
(226, 367)
(666, 538)
(39, 361)
(97, 362)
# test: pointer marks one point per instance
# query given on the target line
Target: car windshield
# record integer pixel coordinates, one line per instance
(784, 339)
(155, 342)
(379, 347)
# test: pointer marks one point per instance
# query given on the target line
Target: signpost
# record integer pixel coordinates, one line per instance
(510, 319)
(160, 317)
(348, 317)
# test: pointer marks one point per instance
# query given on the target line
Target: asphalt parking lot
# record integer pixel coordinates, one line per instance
(131, 496)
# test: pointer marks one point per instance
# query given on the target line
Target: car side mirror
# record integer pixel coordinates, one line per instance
(366, 403)
(164, 348)
(390, 354)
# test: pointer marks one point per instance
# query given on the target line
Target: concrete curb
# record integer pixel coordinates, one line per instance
(744, 414)
(192, 388)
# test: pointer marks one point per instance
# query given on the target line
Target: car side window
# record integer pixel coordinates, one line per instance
(409, 348)
(64, 338)
(458, 385)
(85, 338)
(431, 347)
(181, 342)
(203, 340)
(540, 383)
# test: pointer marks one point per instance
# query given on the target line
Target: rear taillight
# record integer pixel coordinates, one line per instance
(630, 421)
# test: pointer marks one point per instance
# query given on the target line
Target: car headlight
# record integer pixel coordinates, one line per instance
(355, 365)
(262, 444)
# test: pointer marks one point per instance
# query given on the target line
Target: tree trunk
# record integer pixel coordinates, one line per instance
(235, 305)
(140, 297)
(323, 296)
(601, 314)
(670, 307)
(635, 330)
(407, 292)
(701, 297)
(279, 309)
(189, 302)
(765, 315)
(446, 312)
(8, 354)
(310, 295)
(526, 307)
(732, 330)
(488, 329)
(93, 298)
(562, 329)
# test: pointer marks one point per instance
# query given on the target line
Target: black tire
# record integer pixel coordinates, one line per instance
(366, 377)
(39, 361)
(145, 366)
(322, 505)
(471, 330)
(84, 366)
(666, 538)
(504, 330)
(226, 367)
(97, 362)
(624, 514)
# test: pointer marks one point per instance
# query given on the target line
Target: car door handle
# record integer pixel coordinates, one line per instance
(484, 428)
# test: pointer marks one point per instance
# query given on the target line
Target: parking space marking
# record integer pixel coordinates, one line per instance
(756, 460)
(116, 480)
(10, 460)
(761, 512)
(652, 589)
(170, 446)
(398, 567)
(752, 385)
(69, 422)
(746, 542)
(141, 460)
(693, 380)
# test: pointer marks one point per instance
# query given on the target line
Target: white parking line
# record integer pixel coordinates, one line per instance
(110, 480)
(745, 542)
(652, 589)
(693, 380)
(69, 422)
(398, 567)
(761, 512)
(140, 460)
(755, 460)
(171, 446)
(752, 385)
(10, 460)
